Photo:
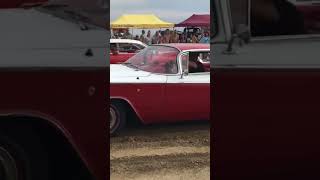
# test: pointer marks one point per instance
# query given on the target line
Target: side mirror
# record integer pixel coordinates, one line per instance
(242, 32)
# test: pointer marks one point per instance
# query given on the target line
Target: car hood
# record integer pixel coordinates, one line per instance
(122, 71)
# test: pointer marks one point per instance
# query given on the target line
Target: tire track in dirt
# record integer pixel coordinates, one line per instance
(157, 151)
(141, 164)
(162, 152)
(194, 174)
(186, 140)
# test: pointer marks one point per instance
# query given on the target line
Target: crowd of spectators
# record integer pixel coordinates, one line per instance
(167, 36)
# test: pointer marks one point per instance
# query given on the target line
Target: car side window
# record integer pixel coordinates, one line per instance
(198, 61)
(284, 17)
(113, 45)
(128, 48)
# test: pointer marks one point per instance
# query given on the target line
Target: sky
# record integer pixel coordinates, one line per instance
(174, 11)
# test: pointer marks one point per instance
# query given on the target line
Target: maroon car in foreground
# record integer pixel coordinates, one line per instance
(52, 93)
(266, 94)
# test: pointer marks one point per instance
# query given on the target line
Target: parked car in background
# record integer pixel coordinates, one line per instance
(52, 97)
(162, 83)
(122, 49)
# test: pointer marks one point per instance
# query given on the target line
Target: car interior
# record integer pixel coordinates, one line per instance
(163, 63)
(277, 17)
(199, 62)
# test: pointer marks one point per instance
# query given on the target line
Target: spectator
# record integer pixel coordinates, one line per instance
(156, 38)
(171, 37)
(194, 38)
(205, 38)
(183, 38)
(142, 36)
(148, 38)
(174, 37)
(166, 37)
(127, 34)
(162, 37)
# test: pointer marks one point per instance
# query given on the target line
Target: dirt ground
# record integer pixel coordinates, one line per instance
(162, 152)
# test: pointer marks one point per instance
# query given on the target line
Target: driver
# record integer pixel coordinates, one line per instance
(195, 66)
(275, 17)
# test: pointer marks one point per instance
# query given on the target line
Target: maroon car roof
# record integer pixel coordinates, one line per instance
(187, 46)
(18, 3)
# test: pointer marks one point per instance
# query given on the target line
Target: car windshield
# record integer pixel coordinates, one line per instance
(156, 59)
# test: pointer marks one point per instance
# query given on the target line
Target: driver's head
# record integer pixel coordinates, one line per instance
(265, 10)
(275, 17)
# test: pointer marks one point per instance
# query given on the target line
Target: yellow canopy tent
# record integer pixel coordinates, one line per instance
(140, 21)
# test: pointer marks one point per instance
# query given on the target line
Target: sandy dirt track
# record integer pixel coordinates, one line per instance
(162, 152)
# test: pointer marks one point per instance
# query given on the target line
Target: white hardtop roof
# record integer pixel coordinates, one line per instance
(30, 38)
(127, 41)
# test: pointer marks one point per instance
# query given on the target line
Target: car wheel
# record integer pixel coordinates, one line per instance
(21, 157)
(117, 117)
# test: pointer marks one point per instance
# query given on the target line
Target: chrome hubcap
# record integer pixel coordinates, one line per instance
(8, 168)
(113, 118)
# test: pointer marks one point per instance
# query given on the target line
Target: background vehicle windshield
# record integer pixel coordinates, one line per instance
(92, 12)
(156, 59)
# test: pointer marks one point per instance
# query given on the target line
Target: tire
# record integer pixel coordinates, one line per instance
(118, 117)
(21, 155)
